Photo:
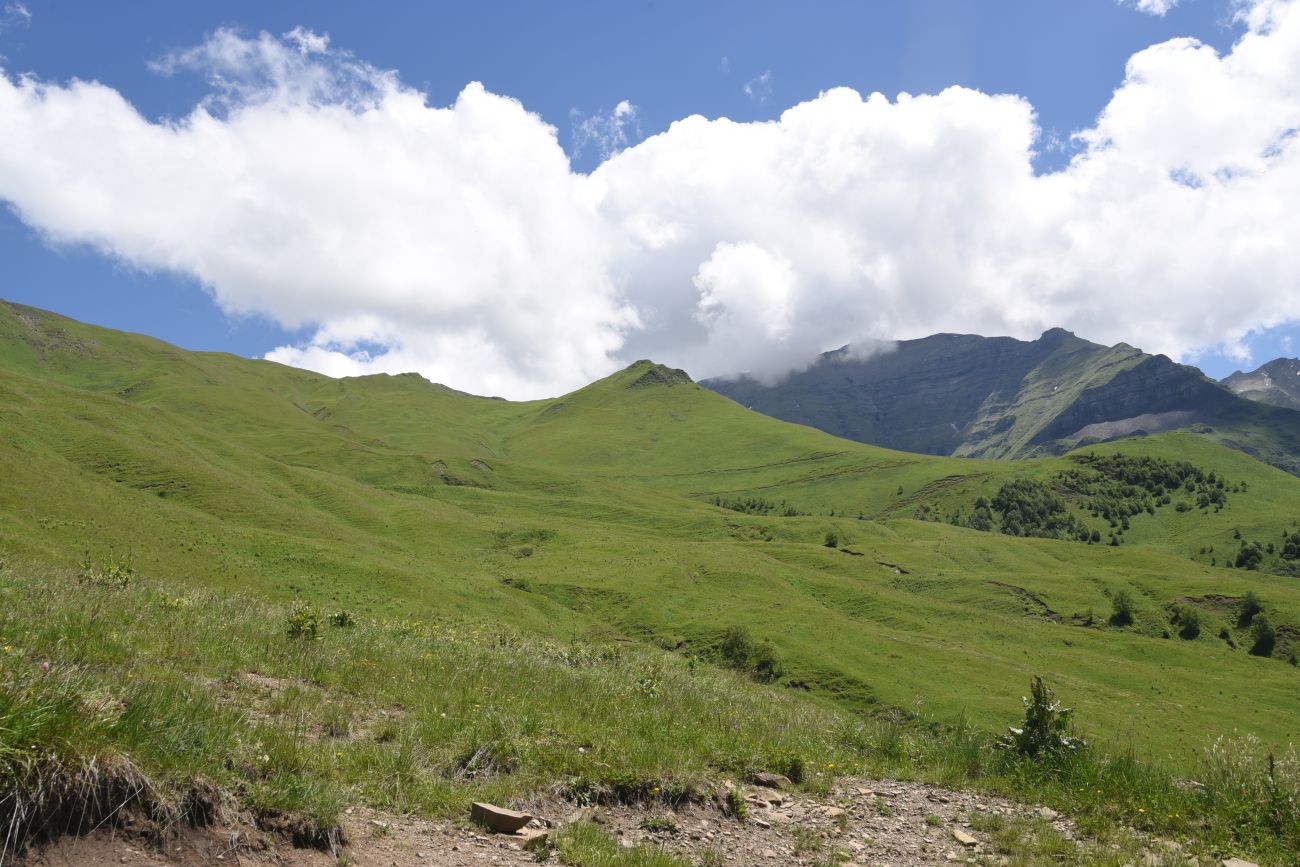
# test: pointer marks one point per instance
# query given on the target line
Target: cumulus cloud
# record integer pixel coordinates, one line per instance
(458, 241)
(1152, 7)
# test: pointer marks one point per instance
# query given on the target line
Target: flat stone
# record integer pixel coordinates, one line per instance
(832, 812)
(533, 839)
(963, 838)
(499, 819)
(1238, 862)
(770, 780)
(760, 823)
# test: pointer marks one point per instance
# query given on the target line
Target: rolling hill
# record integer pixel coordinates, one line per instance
(648, 510)
(997, 397)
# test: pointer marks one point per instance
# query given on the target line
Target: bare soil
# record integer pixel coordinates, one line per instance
(878, 822)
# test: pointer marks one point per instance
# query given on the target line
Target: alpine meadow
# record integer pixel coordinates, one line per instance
(656, 434)
(726, 592)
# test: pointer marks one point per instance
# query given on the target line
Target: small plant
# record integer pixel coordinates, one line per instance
(114, 572)
(933, 821)
(1046, 729)
(832, 539)
(342, 619)
(714, 857)
(303, 622)
(659, 825)
(734, 804)
(1121, 609)
(806, 840)
(336, 721)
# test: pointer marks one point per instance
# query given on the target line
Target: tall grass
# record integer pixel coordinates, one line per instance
(139, 694)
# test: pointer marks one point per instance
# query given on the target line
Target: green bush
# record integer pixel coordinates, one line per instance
(113, 571)
(1189, 622)
(1046, 730)
(303, 622)
(1121, 609)
(1265, 637)
(1250, 606)
(739, 651)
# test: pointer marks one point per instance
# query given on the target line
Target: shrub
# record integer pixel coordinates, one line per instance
(1250, 606)
(740, 651)
(1189, 622)
(737, 647)
(1046, 730)
(342, 619)
(1264, 634)
(114, 572)
(832, 539)
(1121, 609)
(303, 622)
(767, 663)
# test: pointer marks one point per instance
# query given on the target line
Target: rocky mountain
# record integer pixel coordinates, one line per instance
(1276, 383)
(998, 397)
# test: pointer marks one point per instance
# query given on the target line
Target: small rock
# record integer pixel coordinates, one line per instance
(832, 812)
(963, 838)
(760, 823)
(532, 839)
(1048, 813)
(770, 780)
(768, 853)
(1238, 862)
(499, 819)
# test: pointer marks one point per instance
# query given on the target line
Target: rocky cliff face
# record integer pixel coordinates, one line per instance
(1276, 383)
(961, 394)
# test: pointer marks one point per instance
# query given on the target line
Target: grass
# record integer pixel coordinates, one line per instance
(193, 695)
(562, 564)
(591, 515)
(584, 844)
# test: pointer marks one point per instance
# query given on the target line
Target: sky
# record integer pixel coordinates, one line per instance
(518, 198)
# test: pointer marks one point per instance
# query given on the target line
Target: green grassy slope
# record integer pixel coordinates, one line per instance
(592, 515)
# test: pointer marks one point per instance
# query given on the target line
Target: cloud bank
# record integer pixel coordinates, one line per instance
(457, 240)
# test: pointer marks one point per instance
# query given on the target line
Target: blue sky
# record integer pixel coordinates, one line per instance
(567, 62)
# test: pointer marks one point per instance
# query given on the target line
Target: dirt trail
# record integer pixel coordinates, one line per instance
(878, 822)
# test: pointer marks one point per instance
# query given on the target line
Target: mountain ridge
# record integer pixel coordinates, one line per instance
(999, 397)
(1276, 382)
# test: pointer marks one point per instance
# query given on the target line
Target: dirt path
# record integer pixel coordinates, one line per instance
(878, 822)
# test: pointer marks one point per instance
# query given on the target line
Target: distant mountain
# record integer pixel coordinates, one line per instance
(1277, 383)
(998, 397)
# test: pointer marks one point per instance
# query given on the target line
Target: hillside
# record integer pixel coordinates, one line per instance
(643, 512)
(1276, 383)
(997, 397)
(641, 508)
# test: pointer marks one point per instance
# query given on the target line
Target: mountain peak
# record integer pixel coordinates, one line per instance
(657, 374)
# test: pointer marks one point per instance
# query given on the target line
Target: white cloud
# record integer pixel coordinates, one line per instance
(759, 88)
(14, 16)
(610, 132)
(457, 241)
(1152, 7)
